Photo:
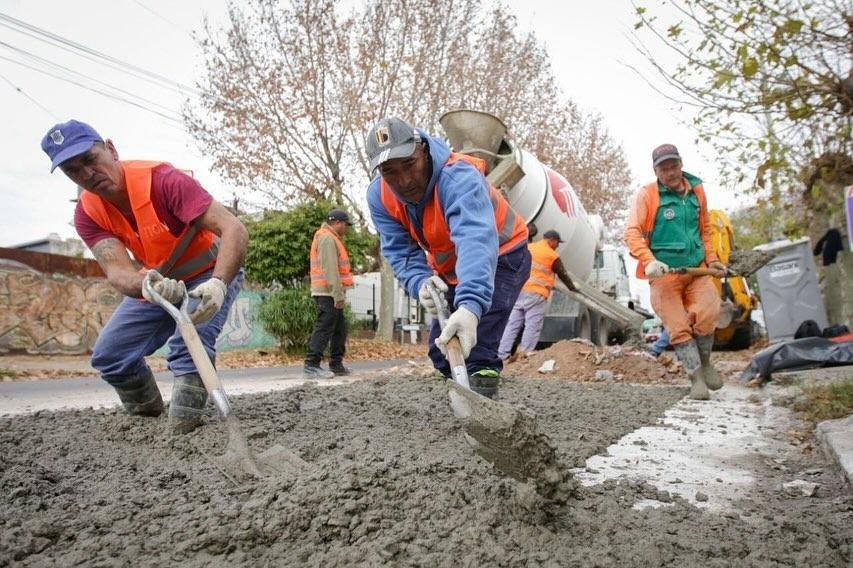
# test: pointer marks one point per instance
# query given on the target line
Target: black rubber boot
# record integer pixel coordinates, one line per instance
(139, 394)
(485, 382)
(187, 407)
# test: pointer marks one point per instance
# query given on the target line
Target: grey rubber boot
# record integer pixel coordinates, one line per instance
(705, 344)
(139, 394)
(688, 354)
(187, 407)
(485, 382)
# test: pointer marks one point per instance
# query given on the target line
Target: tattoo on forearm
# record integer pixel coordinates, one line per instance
(105, 251)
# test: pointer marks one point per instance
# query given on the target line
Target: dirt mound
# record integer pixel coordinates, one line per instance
(393, 483)
(581, 361)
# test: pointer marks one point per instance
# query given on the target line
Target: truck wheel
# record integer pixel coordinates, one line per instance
(584, 325)
(602, 330)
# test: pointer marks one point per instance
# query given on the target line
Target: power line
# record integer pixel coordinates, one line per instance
(94, 90)
(82, 48)
(164, 18)
(81, 75)
(35, 102)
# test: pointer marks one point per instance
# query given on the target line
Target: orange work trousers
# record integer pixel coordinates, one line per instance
(687, 305)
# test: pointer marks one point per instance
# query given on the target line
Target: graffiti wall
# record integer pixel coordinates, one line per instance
(55, 314)
(51, 313)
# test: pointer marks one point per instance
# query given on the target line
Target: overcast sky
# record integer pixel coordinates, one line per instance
(587, 42)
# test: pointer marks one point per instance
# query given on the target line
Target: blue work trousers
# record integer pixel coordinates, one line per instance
(138, 328)
(513, 270)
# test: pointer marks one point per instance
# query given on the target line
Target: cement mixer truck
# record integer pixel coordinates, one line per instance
(547, 200)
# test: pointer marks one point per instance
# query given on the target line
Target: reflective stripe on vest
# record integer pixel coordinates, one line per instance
(542, 277)
(318, 276)
(650, 194)
(436, 242)
(181, 257)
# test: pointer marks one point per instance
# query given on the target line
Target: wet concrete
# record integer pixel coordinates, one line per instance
(392, 483)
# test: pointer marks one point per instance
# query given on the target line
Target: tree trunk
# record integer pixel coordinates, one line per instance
(386, 301)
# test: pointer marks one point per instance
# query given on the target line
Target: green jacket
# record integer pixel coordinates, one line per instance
(676, 238)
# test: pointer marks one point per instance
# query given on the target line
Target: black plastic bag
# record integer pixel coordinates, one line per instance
(810, 352)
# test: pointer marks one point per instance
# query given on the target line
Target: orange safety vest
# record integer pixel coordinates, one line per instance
(439, 248)
(318, 276)
(650, 195)
(542, 277)
(181, 257)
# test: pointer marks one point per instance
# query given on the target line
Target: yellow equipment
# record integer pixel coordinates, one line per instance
(734, 292)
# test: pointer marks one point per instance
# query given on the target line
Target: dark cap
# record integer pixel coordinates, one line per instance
(552, 234)
(388, 139)
(68, 139)
(664, 152)
(338, 215)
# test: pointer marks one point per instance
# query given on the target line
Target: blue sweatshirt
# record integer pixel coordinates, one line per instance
(464, 199)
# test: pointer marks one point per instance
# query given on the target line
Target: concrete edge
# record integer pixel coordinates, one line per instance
(836, 437)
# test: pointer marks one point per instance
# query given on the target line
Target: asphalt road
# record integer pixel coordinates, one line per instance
(22, 397)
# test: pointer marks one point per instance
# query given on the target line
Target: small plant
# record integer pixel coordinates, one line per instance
(289, 315)
(827, 402)
(8, 373)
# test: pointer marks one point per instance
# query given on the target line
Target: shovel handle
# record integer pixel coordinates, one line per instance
(194, 345)
(697, 271)
(454, 349)
(205, 368)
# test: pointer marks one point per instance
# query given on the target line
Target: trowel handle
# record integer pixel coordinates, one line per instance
(205, 368)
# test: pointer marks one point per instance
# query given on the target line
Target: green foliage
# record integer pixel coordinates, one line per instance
(769, 82)
(280, 243)
(289, 315)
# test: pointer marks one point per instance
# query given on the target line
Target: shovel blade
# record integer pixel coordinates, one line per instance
(511, 440)
(745, 262)
(239, 463)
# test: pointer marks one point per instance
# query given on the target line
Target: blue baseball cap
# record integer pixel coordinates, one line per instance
(68, 139)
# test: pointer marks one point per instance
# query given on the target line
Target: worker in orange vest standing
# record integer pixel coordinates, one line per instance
(331, 275)
(529, 310)
(440, 222)
(171, 225)
(668, 228)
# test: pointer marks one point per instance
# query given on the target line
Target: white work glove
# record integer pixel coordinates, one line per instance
(171, 290)
(656, 269)
(424, 296)
(212, 295)
(463, 324)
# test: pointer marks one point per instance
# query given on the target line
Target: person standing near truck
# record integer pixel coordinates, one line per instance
(440, 222)
(529, 310)
(668, 226)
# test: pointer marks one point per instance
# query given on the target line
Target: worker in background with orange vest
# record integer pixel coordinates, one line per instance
(171, 225)
(668, 228)
(331, 275)
(441, 222)
(529, 310)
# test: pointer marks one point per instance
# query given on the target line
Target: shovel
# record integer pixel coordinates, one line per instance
(507, 438)
(238, 461)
